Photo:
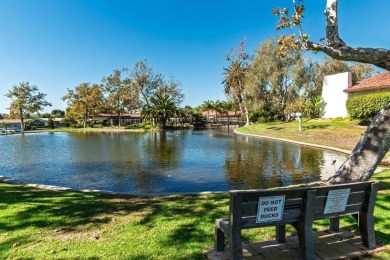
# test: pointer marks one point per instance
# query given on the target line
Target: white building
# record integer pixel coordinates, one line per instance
(333, 94)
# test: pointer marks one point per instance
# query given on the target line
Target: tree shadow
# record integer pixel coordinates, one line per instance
(66, 212)
(311, 127)
(275, 128)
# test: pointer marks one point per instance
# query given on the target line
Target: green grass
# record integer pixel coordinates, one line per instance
(340, 133)
(43, 224)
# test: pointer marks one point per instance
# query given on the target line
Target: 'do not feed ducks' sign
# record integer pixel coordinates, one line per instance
(270, 209)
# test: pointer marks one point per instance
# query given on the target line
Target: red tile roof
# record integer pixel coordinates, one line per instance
(380, 81)
(134, 115)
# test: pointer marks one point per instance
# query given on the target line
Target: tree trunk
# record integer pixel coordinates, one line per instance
(332, 25)
(21, 121)
(85, 120)
(246, 116)
(368, 153)
(338, 50)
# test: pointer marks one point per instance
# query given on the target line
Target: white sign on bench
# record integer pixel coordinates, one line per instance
(270, 209)
(336, 201)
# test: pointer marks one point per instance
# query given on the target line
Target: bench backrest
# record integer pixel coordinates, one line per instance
(362, 196)
(244, 205)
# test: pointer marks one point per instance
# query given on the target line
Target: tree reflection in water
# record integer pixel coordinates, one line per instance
(161, 162)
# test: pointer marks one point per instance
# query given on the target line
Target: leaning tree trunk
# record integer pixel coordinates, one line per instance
(368, 153)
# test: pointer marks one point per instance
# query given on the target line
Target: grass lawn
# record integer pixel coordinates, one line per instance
(340, 133)
(44, 224)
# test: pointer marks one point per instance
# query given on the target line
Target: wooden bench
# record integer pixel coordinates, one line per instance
(298, 207)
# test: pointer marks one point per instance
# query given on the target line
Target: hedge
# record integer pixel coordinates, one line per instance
(366, 107)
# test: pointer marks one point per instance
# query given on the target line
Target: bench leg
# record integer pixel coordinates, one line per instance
(334, 224)
(219, 239)
(366, 228)
(304, 227)
(306, 239)
(235, 245)
(281, 233)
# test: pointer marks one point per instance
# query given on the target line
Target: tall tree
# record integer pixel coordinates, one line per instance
(85, 100)
(234, 77)
(171, 88)
(279, 78)
(121, 96)
(147, 83)
(26, 99)
(375, 142)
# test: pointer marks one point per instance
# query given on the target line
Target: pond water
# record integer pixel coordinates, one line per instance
(161, 163)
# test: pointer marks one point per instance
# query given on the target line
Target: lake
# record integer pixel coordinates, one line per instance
(166, 162)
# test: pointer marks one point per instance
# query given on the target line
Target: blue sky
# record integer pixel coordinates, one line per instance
(58, 44)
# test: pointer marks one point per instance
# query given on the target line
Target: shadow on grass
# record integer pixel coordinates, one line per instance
(311, 127)
(384, 183)
(193, 215)
(275, 128)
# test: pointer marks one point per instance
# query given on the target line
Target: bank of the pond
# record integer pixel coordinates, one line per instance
(46, 224)
(339, 135)
(295, 142)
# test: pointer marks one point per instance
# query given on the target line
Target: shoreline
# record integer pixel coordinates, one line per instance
(385, 163)
(296, 142)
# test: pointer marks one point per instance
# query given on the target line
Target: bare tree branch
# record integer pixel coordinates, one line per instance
(376, 56)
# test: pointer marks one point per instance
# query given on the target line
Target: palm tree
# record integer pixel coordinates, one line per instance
(234, 80)
(219, 108)
(234, 77)
(161, 108)
(207, 106)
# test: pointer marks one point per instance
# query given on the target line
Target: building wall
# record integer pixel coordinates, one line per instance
(335, 98)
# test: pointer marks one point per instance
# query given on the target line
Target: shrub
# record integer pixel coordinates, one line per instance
(313, 107)
(143, 125)
(365, 108)
(77, 125)
(133, 126)
(267, 114)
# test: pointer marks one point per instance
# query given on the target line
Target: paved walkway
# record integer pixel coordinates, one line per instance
(328, 245)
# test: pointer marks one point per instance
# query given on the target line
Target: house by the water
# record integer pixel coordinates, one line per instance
(338, 88)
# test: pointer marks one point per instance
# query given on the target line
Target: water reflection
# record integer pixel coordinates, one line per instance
(275, 164)
(163, 162)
